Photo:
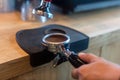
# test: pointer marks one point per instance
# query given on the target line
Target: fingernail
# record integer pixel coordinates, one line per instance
(81, 54)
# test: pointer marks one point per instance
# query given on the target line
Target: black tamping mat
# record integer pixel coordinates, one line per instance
(30, 40)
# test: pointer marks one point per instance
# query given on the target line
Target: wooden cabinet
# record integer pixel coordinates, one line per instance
(111, 52)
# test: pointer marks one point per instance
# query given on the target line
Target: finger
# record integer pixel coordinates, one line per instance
(75, 73)
(88, 57)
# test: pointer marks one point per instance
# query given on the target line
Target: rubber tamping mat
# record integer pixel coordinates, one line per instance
(30, 40)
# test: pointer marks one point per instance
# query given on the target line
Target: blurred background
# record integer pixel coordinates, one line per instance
(25, 7)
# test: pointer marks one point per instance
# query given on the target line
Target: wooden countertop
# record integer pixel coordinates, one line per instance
(102, 26)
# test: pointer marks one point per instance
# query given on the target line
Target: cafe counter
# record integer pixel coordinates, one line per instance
(102, 27)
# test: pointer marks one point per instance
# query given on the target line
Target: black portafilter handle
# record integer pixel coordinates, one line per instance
(76, 61)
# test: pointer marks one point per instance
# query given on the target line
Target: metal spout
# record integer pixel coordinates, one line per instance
(43, 11)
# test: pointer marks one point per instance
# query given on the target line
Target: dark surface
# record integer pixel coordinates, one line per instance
(69, 6)
(30, 40)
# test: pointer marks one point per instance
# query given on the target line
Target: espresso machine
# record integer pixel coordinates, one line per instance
(72, 6)
(43, 7)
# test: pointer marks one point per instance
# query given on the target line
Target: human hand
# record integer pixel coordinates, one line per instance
(96, 69)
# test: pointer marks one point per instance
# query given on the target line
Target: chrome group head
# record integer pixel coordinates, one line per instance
(43, 11)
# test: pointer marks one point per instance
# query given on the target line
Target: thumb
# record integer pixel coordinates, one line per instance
(88, 57)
